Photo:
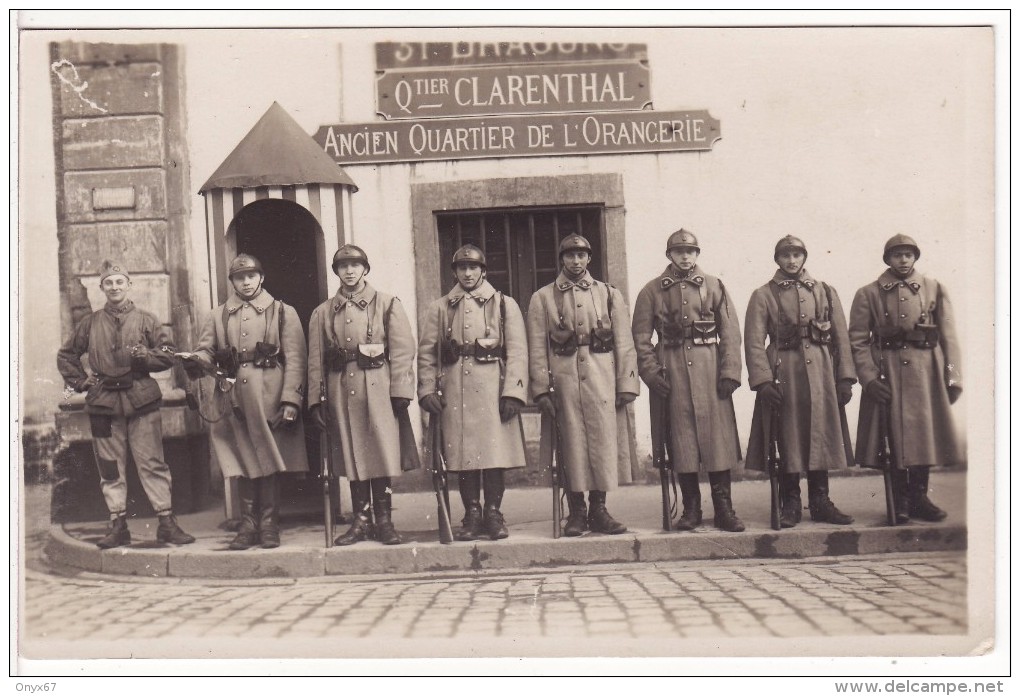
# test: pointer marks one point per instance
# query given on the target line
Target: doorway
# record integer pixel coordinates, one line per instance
(289, 242)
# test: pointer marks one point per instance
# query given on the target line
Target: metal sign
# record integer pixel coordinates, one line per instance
(393, 55)
(513, 89)
(519, 136)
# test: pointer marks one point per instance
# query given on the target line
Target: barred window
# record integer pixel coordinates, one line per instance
(520, 245)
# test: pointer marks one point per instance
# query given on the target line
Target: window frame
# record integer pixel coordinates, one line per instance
(580, 190)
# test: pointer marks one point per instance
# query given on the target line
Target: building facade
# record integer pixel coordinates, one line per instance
(742, 136)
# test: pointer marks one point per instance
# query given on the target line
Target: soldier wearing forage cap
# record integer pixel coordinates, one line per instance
(695, 366)
(473, 373)
(124, 344)
(258, 340)
(902, 326)
(583, 374)
(806, 372)
(361, 378)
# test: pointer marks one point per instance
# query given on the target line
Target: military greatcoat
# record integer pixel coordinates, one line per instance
(364, 431)
(922, 431)
(596, 437)
(473, 435)
(703, 426)
(811, 430)
(244, 443)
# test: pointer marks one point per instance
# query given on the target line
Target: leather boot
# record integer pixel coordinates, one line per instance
(361, 526)
(494, 486)
(169, 532)
(690, 494)
(599, 519)
(901, 495)
(920, 506)
(821, 507)
(118, 535)
(725, 517)
(385, 532)
(472, 527)
(269, 512)
(495, 524)
(248, 532)
(789, 490)
(577, 517)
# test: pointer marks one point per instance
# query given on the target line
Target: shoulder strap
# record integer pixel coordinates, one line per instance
(703, 294)
(223, 325)
(386, 321)
(774, 289)
(828, 302)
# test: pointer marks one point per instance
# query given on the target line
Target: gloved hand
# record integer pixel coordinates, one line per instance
(660, 384)
(546, 403)
(954, 393)
(725, 387)
(624, 398)
(432, 403)
(844, 391)
(192, 368)
(771, 394)
(878, 391)
(509, 407)
(318, 414)
(399, 404)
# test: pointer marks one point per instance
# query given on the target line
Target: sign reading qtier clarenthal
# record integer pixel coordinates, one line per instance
(417, 54)
(519, 136)
(513, 89)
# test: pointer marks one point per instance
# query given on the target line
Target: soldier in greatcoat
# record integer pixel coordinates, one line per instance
(361, 380)
(258, 340)
(806, 373)
(473, 373)
(124, 344)
(905, 347)
(695, 367)
(583, 374)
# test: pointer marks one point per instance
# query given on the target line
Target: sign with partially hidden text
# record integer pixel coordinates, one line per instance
(513, 89)
(390, 55)
(519, 136)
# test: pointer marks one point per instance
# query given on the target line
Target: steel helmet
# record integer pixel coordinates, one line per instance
(468, 253)
(574, 242)
(680, 239)
(789, 242)
(244, 262)
(350, 252)
(900, 240)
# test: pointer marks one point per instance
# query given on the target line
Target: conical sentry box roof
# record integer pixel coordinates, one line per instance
(277, 152)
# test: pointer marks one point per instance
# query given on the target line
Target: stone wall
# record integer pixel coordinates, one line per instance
(122, 186)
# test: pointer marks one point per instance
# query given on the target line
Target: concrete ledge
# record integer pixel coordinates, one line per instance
(283, 562)
(530, 545)
(296, 560)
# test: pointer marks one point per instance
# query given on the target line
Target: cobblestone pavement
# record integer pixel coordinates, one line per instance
(860, 596)
(71, 614)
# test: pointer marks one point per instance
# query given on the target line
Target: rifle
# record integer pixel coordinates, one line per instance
(437, 459)
(885, 458)
(775, 466)
(439, 481)
(551, 430)
(326, 472)
(662, 456)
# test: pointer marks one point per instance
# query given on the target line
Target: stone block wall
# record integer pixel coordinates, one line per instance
(122, 188)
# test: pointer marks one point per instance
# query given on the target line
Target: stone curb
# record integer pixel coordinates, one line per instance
(522, 552)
